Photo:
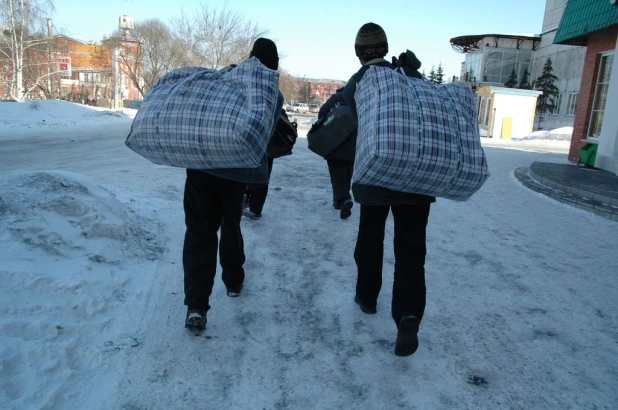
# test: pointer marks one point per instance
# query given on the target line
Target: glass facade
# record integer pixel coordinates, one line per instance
(494, 65)
(500, 63)
(473, 66)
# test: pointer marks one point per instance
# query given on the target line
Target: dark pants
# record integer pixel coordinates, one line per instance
(410, 234)
(340, 178)
(256, 197)
(211, 203)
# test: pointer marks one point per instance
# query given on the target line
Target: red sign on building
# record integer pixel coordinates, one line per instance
(64, 65)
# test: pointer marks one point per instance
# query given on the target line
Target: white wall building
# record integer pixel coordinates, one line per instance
(567, 64)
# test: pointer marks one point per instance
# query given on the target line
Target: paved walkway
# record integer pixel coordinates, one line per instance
(590, 189)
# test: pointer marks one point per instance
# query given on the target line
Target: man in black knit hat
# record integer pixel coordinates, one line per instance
(255, 193)
(410, 215)
(213, 201)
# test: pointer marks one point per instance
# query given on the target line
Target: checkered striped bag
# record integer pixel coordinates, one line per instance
(417, 137)
(205, 119)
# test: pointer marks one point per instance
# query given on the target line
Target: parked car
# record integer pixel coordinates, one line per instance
(300, 108)
(314, 107)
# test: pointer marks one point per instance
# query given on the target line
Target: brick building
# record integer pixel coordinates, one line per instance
(317, 90)
(87, 70)
(594, 24)
(81, 72)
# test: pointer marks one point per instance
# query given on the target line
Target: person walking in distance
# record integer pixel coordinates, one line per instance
(340, 162)
(410, 216)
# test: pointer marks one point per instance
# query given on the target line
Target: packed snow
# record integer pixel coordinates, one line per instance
(521, 307)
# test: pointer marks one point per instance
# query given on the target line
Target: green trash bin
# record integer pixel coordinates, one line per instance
(588, 154)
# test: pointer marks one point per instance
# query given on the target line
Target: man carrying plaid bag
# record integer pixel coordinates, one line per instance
(212, 200)
(410, 215)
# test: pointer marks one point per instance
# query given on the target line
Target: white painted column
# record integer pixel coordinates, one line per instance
(607, 154)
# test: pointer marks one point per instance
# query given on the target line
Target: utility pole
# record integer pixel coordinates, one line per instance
(117, 76)
(50, 82)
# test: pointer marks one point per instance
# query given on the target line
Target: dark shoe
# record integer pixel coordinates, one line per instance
(346, 206)
(251, 215)
(407, 336)
(196, 319)
(366, 309)
(234, 292)
(337, 205)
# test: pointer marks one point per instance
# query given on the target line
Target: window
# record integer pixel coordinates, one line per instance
(557, 104)
(499, 65)
(481, 110)
(472, 67)
(487, 113)
(600, 95)
(571, 104)
(90, 77)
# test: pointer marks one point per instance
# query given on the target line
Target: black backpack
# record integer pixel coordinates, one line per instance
(284, 138)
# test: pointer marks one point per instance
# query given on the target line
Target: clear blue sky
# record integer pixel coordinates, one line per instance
(316, 37)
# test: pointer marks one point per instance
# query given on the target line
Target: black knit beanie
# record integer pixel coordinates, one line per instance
(266, 51)
(371, 42)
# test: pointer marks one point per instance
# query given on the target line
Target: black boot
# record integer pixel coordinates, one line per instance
(346, 208)
(366, 309)
(196, 319)
(407, 336)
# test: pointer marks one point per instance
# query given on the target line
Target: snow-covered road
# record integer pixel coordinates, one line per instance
(522, 310)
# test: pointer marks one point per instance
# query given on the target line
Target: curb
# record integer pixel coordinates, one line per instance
(565, 194)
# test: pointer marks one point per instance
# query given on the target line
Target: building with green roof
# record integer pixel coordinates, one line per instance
(594, 24)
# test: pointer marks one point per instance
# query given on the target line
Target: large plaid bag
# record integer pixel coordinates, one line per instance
(417, 137)
(199, 118)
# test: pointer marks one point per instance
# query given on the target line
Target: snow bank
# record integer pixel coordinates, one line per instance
(558, 134)
(61, 212)
(56, 114)
(68, 269)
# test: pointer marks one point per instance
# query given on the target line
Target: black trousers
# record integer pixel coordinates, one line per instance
(257, 196)
(211, 203)
(340, 179)
(409, 293)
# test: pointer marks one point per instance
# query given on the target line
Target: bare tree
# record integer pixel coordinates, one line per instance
(304, 89)
(35, 70)
(162, 52)
(148, 51)
(288, 86)
(23, 26)
(214, 38)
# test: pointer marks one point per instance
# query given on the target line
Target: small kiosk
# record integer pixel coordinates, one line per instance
(506, 113)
